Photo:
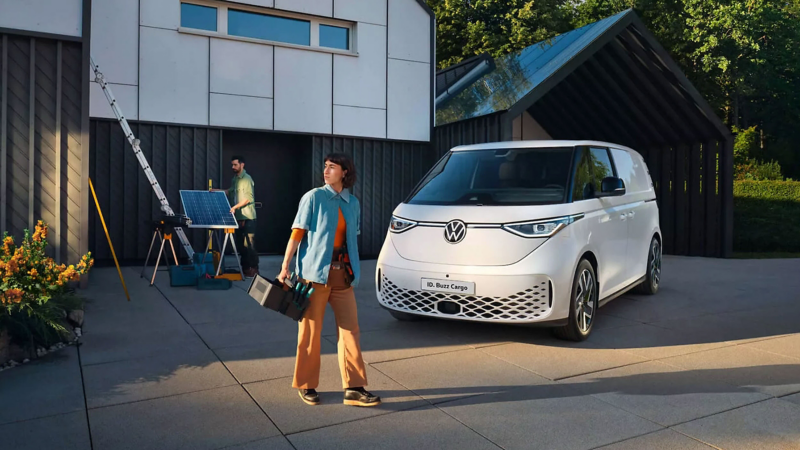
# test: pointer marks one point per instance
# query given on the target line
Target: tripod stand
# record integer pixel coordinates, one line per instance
(164, 233)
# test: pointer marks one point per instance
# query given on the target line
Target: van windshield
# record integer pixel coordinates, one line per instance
(519, 176)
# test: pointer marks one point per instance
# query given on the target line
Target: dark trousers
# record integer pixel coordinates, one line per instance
(246, 244)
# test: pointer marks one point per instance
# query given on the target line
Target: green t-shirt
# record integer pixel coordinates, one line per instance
(242, 187)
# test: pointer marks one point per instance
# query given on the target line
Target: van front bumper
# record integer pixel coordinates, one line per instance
(531, 291)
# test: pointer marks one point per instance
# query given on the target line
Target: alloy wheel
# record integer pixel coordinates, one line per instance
(585, 301)
(655, 263)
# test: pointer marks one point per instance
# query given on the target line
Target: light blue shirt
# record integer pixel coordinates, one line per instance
(318, 214)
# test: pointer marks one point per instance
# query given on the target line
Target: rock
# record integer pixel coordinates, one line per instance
(76, 317)
(26, 361)
(77, 331)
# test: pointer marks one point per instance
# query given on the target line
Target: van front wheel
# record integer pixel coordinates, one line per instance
(583, 305)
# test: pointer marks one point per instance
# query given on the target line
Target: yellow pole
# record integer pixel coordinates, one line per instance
(210, 244)
(109, 240)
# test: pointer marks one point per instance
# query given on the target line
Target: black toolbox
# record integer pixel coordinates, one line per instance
(278, 297)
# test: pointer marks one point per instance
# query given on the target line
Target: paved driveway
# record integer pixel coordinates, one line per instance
(712, 361)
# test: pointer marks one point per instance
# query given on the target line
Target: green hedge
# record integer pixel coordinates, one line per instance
(766, 216)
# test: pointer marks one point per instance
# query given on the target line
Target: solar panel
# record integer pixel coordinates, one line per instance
(208, 209)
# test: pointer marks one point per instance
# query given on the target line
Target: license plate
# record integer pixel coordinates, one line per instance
(449, 286)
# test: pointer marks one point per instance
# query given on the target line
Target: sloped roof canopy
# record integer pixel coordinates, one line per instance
(610, 80)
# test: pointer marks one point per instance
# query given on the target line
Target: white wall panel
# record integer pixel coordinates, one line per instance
(303, 91)
(409, 102)
(264, 3)
(115, 39)
(371, 11)
(241, 112)
(241, 68)
(361, 81)
(409, 31)
(44, 16)
(317, 7)
(127, 99)
(366, 122)
(160, 13)
(174, 77)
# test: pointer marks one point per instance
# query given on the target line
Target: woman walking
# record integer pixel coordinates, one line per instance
(325, 232)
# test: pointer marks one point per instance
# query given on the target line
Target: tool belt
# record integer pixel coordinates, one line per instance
(341, 260)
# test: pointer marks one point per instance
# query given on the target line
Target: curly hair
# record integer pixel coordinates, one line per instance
(346, 164)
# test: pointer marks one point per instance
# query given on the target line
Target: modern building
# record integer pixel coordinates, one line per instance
(281, 82)
(609, 81)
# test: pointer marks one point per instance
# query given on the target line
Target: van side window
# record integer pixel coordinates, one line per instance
(593, 165)
(631, 169)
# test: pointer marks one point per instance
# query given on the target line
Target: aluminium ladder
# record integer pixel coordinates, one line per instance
(100, 79)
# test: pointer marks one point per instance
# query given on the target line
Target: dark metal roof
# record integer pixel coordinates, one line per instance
(445, 78)
(610, 80)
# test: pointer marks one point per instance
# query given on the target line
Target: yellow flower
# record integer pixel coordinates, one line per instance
(33, 272)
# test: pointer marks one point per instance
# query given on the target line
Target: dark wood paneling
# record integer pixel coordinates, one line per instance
(696, 202)
(40, 140)
(681, 230)
(179, 160)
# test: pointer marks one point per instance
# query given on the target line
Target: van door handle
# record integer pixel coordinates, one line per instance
(631, 214)
(623, 216)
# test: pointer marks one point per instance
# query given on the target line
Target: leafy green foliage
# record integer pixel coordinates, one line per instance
(746, 158)
(765, 215)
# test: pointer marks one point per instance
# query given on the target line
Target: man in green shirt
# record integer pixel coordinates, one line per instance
(241, 195)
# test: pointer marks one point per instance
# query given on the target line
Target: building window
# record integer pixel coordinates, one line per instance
(270, 28)
(334, 37)
(198, 17)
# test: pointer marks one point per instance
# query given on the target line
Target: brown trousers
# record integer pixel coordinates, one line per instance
(343, 302)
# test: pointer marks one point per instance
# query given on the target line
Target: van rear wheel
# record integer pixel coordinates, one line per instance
(652, 278)
(583, 305)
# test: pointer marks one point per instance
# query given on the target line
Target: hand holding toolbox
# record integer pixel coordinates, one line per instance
(289, 301)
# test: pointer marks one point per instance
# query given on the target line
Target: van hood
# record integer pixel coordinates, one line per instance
(484, 244)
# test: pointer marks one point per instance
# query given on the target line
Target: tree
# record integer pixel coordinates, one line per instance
(467, 28)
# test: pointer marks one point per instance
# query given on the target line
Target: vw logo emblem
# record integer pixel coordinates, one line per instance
(455, 231)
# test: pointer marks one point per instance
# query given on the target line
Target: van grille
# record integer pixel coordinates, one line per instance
(528, 305)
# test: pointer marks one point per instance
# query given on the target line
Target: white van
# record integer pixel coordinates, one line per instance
(538, 232)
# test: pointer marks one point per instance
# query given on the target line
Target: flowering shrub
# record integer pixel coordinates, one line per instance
(29, 279)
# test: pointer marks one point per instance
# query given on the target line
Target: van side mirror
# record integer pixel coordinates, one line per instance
(611, 187)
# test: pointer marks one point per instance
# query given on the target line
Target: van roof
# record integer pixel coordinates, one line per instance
(537, 144)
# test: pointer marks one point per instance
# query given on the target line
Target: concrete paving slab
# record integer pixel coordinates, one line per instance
(130, 343)
(478, 335)
(273, 443)
(425, 427)
(265, 361)
(737, 326)
(201, 420)
(136, 316)
(559, 359)
(454, 375)
(772, 424)
(155, 377)
(660, 440)
(224, 334)
(664, 394)
(546, 417)
(651, 342)
(399, 343)
(46, 387)
(283, 405)
(215, 306)
(795, 398)
(64, 432)
(746, 368)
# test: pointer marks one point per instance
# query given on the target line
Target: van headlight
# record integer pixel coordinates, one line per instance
(398, 225)
(541, 228)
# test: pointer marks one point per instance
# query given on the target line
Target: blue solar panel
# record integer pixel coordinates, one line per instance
(208, 209)
(517, 74)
